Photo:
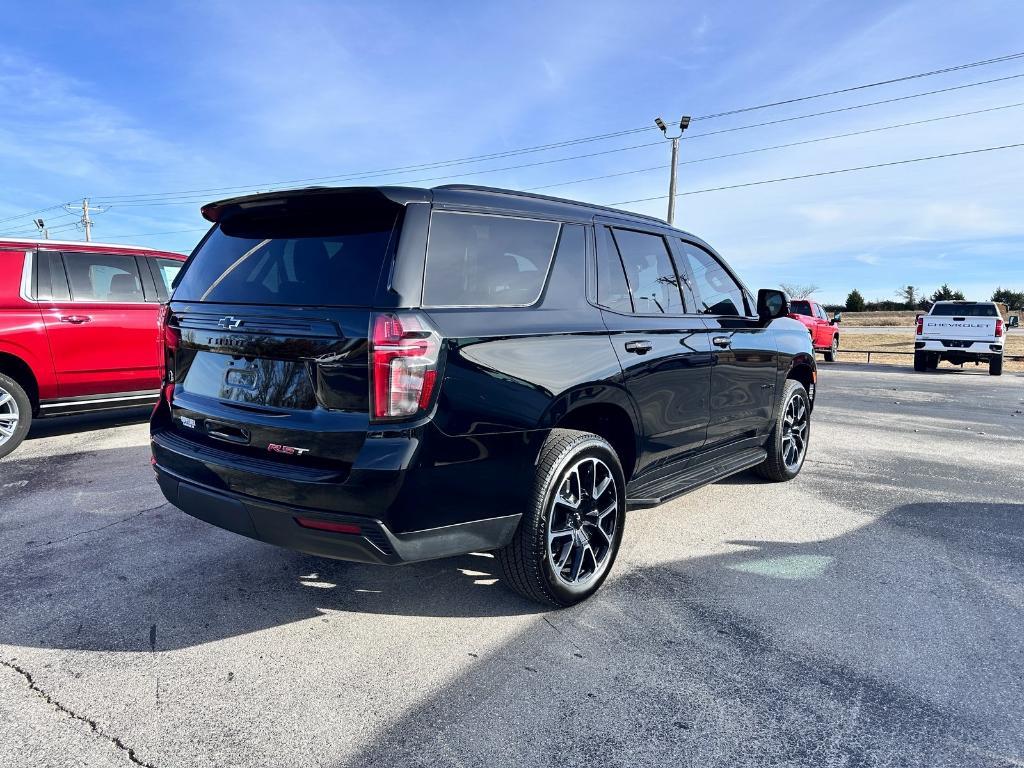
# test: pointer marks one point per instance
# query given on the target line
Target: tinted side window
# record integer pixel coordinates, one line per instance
(612, 290)
(718, 293)
(168, 269)
(103, 277)
(51, 284)
(486, 261)
(652, 278)
(567, 286)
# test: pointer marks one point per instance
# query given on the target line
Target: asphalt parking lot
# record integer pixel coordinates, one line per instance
(869, 613)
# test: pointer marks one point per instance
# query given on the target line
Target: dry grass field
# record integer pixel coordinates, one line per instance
(903, 341)
(879, 318)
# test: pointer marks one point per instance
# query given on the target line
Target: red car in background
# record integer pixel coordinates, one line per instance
(78, 329)
(824, 330)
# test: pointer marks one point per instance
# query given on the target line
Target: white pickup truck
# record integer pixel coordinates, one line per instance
(960, 332)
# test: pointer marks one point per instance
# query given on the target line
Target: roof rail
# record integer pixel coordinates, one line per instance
(86, 243)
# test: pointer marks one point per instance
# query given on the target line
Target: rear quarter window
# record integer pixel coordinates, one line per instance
(476, 260)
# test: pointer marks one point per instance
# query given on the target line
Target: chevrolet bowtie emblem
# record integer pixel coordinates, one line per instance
(230, 322)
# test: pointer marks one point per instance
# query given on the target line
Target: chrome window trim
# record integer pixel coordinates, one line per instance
(547, 274)
(72, 403)
(26, 277)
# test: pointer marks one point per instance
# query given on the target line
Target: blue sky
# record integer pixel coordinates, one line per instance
(116, 100)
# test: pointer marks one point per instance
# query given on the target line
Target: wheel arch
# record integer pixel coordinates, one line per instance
(804, 369)
(606, 411)
(21, 372)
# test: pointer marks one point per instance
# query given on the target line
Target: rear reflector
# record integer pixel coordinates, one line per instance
(327, 525)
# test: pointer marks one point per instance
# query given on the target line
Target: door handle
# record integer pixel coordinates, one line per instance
(75, 319)
(639, 347)
(722, 341)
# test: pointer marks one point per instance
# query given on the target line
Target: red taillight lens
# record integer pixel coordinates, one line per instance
(920, 326)
(404, 352)
(170, 335)
(999, 327)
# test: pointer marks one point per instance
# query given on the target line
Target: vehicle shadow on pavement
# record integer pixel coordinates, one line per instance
(86, 422)
(824, 652)
(117, 585)
(820, 653)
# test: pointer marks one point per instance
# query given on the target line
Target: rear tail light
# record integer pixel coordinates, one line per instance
(170, 335)
(169, 338)
(404, 352)
(920, 326)
(999, 327)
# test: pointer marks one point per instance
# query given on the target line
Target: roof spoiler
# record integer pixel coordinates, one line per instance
(314, 197)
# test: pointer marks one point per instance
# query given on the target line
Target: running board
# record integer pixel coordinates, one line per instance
(644, 492)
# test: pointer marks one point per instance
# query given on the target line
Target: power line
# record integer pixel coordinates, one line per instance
(153, 234)
(33, 213)
(850, 89)
(778, 146)
(565, 143)
(34, 230)
(193, 200)
(822, 173)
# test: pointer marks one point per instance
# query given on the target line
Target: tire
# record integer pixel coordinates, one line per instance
(933, 361)
(15, 414)
(781, 464)
(570, 461)
(831, 352)
(920, 361)
(995, 367)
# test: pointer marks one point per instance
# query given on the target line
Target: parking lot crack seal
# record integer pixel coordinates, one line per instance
(93, 725)
(104, 527)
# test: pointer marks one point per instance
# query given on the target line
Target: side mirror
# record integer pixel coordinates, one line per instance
(837, 317)
(1013, 322)
(771, 304)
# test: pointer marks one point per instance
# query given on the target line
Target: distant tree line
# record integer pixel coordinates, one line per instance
(910, 297)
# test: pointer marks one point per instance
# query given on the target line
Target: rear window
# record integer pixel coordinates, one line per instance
(486, 261)
(801, 308)
(290, 260)
(965, 310)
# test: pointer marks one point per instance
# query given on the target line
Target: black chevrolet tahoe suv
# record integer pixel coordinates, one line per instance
(388, 375)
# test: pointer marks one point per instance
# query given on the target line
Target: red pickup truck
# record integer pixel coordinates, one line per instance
(823, 329)
(78, 329)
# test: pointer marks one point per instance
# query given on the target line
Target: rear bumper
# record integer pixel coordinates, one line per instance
(951, 348)
(375, 543)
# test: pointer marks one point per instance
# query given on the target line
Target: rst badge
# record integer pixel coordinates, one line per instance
(287, 450)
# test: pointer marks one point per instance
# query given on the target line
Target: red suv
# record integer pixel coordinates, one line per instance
(824, 330)
(78, 329)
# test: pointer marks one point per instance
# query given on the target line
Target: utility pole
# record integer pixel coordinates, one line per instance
(684, 123)
(86, 222)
